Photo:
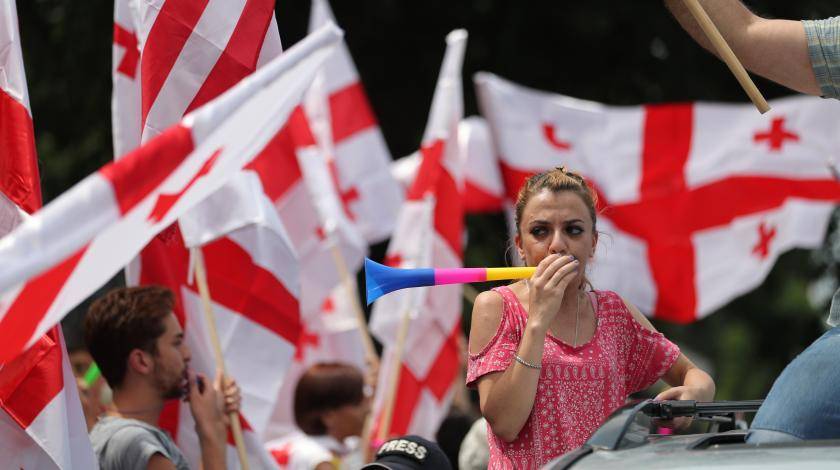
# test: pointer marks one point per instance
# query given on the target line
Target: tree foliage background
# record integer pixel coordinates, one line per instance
(620, 53)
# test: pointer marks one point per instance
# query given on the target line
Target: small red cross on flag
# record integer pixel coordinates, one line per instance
(776, 136)
(765, 236)
(131, 56)
(306, 340)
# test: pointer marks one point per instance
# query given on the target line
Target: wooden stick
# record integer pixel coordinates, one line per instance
(726, 54)
(210, 319)
(364, 446)
(349, 285)
(393, 382)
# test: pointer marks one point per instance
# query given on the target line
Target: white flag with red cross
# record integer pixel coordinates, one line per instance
(330, 335)
(349, 137)
(697, 200)
(483, 187)
(429, 232)
(188, 53)
(60, 255)
(41, 419)
(57, 257)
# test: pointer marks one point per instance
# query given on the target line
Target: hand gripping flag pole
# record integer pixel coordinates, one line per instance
(380, 279)
(210, 318)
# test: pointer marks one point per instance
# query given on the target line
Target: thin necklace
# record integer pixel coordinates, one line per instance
(577, 320)
(577, 313)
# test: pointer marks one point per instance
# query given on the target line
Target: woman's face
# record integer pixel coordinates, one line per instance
(555, 222)
(348, 420)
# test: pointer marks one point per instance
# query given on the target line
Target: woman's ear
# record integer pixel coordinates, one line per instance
(517, 241)
(594, 243)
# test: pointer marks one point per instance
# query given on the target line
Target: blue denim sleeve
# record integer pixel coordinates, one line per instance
(824, 49)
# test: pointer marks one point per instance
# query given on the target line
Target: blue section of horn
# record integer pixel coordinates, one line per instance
(381, 279)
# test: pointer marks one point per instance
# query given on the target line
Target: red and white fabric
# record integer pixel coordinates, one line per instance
(347, 132)
(41, 420)
(72, 246)
(188, 53)
(41, 423)
(484, 189)
(429, 232)
(330, 335)
(19, 179)
(698, 199)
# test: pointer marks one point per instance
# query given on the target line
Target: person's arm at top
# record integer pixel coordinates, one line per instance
(506, 398)
(774, 49)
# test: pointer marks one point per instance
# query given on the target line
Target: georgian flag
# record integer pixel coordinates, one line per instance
(347, 133)
(41, 420)
(429, 232)
(187, 54)
(483, 187)
(697, 200)
(60, 255)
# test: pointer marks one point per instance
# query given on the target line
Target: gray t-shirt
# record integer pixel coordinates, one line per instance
(128, 444)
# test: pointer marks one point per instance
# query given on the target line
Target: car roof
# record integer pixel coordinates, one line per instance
(689, 452)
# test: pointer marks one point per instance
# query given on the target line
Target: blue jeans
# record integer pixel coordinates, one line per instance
(804, 402)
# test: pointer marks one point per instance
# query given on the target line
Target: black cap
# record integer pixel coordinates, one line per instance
(409, 453)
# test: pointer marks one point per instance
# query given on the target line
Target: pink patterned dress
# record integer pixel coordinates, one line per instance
(579, 387)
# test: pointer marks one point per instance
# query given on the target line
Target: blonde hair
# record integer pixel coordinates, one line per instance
(556, 180)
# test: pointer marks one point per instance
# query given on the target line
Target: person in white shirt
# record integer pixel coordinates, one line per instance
(330, 408)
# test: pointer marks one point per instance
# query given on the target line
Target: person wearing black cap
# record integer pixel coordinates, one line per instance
(409, 453)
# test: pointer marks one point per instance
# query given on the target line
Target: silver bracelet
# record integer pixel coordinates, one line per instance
(526, 363)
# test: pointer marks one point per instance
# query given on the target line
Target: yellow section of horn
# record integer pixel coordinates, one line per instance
(498, 274)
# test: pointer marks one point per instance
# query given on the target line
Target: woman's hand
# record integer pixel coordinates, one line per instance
(547, 287)
(682, 392)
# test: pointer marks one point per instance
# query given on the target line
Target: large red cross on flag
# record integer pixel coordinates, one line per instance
(429, 232)
(698, 199)
(41, 420)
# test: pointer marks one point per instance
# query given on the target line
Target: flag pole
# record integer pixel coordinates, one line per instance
(349, 286)
(210, 319)
(372, 358)
(726, 54)
(470, 293)
(393, 379)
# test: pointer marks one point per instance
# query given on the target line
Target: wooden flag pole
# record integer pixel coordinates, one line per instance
(210, 319)
(470, 293)
(393, 379)
(349, 285)
(726, 54)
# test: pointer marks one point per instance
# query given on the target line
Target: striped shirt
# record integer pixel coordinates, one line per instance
(824, 49)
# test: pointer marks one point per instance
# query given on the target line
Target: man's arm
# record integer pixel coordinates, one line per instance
(774, 49)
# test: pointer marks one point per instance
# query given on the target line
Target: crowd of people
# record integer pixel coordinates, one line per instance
(550, 357)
